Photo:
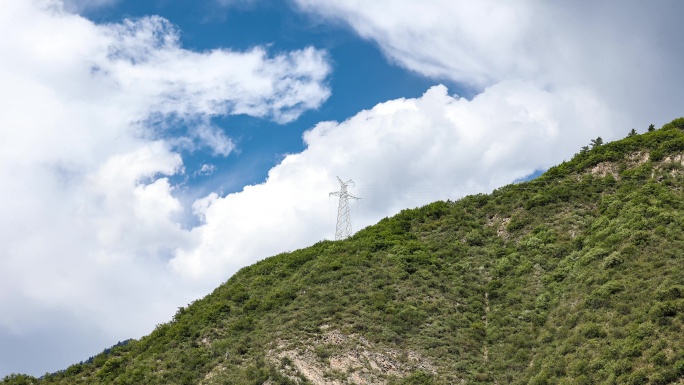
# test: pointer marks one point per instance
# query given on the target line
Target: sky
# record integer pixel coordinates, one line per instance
(149, 150)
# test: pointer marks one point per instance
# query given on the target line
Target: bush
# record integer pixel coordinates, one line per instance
(657, 155)
(637, 378)
(675, 124)
(592, 331)
(418, 378)
(613, 260)
(679, 368)
(19, 379)
(663, 309)
(663, 378)
(671, 293)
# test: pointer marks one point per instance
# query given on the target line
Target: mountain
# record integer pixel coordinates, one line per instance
(576, 277)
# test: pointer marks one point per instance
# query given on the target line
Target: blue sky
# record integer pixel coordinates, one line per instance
(357, 65)
(150, 149)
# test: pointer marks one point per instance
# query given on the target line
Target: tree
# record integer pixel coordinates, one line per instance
(18, 379)
(651, 128)
(596, 142)
(632, 133)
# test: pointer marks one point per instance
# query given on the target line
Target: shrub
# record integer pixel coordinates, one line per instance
(675, 124)
(418, 378)
(679, 368)
(592, 330)
(613, 260)
(673, 292)
(663, 309)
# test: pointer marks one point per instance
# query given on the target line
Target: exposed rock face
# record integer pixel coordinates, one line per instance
(637, 158)
(632, 160)
(605, 168)
(335, 358)
(573, 278)
(500, 224)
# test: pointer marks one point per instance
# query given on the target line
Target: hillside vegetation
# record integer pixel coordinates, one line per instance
(576, 277)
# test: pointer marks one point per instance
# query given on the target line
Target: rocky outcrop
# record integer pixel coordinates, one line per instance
(334, 358)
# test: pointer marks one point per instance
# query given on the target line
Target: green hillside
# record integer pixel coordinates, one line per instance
(576, 277)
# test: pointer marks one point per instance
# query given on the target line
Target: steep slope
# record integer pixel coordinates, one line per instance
(576, 277)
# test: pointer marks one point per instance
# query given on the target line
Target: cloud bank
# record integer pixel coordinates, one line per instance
(94, 247)
(625, 52)
(88, 138)
(401, 153)
(547, 78)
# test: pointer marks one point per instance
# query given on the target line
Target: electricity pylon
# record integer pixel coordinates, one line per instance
(343, 229)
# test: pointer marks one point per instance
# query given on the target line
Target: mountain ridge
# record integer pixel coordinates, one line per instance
(574, 277)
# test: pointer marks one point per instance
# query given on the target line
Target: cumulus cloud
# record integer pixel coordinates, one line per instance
(624, 51)
(94, 119)
(547, 78)
(401, 153)
(471, 42)
(91, 230)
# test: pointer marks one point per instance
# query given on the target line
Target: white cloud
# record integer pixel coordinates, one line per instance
(402, 153)
(626, 52)
(214, 138)
(89, 136)
(91, 229)
(547, 78)
(471, 42)
(206, 169)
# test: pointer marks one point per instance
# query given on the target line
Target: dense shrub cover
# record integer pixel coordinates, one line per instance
(574, 277)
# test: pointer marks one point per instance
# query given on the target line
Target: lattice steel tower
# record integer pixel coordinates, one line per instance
(343, 229)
